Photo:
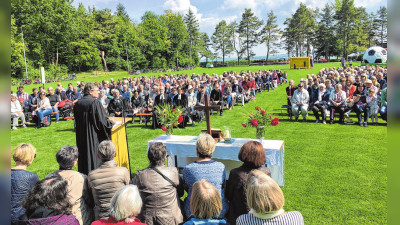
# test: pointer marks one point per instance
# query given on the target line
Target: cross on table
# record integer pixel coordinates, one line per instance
(207, 109)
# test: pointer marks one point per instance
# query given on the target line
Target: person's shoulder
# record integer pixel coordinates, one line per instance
(294, 216)
(242, 218)
(218, 164)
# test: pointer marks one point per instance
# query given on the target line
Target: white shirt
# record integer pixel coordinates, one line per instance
(15, 106)
(300, 97)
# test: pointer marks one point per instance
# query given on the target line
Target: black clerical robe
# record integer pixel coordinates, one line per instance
(162, 99)
(182, 101)
(92, 127)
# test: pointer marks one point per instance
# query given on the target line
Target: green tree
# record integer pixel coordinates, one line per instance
(289, 42)
(382, 22)
(248, 28)
(204, 43)
(270, 34)
(17, 57)
(156, 40)
(326, 41)
(373, 26)
(192, 26)
(346, 14)
(221, 40)
(178, 37)
(237, 41)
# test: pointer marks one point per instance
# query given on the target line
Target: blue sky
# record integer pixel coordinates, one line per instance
(210, 12)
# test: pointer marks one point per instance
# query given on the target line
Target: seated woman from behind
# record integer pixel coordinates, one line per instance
(125, 206)
(21, 180)
(205, 168)
(205, 205)
(159, 187)
(265, 199)
(47, 203)
(78, 191)
(253, 156)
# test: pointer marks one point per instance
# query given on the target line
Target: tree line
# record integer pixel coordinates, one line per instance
(62, 38)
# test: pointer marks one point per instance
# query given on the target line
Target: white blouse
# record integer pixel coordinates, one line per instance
(45, 103)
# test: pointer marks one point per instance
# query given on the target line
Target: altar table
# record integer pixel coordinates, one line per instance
(182, 151)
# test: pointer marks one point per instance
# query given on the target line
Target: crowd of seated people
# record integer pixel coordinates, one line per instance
(108, 195)
(362, 90)
(129, 96)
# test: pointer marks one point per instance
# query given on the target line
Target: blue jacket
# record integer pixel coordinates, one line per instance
(325, 98)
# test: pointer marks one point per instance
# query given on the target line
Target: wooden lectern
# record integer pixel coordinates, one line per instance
(118, 137)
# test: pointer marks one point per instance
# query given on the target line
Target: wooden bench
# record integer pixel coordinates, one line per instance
(147, 116)
(289, 109)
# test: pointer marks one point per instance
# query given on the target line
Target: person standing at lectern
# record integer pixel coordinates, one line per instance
(92, 127)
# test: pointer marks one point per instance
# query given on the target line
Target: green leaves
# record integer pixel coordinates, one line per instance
(248, 29)
(221, 39)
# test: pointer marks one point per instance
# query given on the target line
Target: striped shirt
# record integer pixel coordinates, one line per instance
(290, 218)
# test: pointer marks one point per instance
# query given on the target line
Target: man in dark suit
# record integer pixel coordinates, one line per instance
(162, 98)
(217, 98)
(180, 99)
(320, 100)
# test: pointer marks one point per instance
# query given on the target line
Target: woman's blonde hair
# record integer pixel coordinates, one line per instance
(205, 144)
(205, 202)
(24, 153)
(263, 193)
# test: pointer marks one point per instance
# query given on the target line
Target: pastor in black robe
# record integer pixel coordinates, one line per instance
(92, 127)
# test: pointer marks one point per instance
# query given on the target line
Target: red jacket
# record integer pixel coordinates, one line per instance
(111, 220)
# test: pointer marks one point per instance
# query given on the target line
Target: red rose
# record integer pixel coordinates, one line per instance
(254, 122)
(180, 119)
(173, 110)
(275, 122)
(173, 125)
(263, 112)
(244, 125)
(163, 128)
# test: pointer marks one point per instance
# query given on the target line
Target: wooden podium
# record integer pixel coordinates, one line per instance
(118, 137)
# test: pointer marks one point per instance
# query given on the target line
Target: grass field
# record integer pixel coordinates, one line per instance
(334, 174)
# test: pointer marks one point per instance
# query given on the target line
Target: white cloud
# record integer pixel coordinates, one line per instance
(370, 4)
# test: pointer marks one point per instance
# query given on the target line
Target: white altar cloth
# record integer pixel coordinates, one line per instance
(182, 151)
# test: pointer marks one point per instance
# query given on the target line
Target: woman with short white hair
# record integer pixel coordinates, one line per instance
(16, 112)
(125, 206)
(265, 199)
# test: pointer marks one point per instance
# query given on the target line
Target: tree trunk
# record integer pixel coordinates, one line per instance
(57, 58)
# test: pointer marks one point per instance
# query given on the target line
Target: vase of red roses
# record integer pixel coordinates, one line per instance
(169, 118)
(260, 119)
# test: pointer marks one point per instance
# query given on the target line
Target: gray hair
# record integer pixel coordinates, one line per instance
(13, 95)
(89, 86)
(125, 203)
(66, 157)
(102, 91)
(157, 153)
(321, 85)
(106, 150)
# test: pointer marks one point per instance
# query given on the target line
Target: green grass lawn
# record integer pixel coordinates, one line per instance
(334, 174)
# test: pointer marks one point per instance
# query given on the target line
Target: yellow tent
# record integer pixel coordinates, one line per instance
(300, 63)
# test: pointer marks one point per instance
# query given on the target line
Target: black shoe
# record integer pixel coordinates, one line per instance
(304, 119)
(296, 119)
(220, 113)
(331, 122)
